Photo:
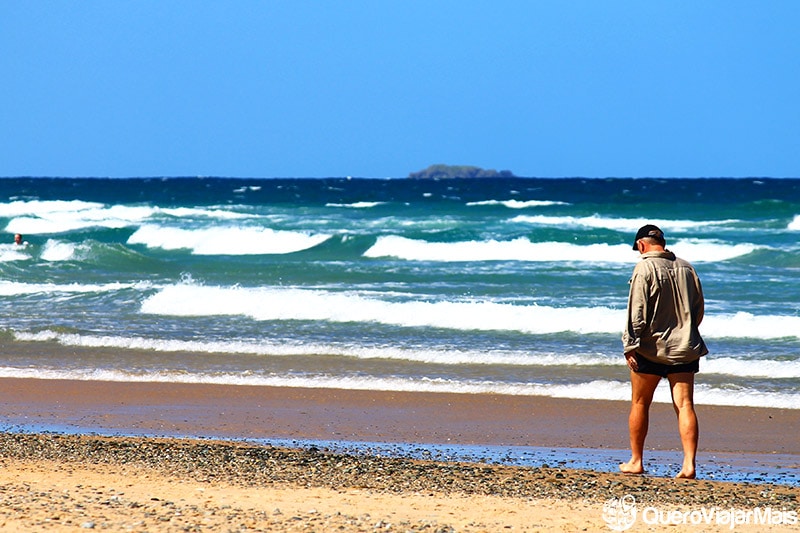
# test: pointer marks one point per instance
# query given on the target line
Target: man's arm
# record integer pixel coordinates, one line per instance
(637, 314)
(699, 303)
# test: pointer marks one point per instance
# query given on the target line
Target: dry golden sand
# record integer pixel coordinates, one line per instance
(70, 483)
(44, 495)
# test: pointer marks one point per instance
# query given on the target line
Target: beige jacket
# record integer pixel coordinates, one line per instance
(665, 308)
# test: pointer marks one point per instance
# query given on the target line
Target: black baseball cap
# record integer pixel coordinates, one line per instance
(651, 231)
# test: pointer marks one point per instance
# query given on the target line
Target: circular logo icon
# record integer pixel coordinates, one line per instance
(620, 513)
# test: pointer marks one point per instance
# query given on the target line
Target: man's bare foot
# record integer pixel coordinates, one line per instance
(632, 467)
(686, 474)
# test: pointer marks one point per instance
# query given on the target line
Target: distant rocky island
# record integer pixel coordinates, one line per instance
(459, 171)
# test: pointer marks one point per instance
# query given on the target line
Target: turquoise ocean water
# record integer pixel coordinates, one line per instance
(513, 286)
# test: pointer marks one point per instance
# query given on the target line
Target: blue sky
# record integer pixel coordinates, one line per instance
(382, 88)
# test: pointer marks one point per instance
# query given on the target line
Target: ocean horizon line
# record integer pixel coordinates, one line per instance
(382, 178)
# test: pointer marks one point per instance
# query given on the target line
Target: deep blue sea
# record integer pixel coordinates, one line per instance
(514, 286)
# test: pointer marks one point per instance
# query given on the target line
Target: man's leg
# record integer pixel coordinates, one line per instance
(682, 386)
(642, 388)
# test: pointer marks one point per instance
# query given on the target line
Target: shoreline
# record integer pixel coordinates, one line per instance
(115, 456)
(737, 444)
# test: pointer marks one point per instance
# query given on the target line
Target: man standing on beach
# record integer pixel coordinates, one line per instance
(665, 308)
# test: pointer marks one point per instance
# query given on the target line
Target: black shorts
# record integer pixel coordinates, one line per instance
(646, 366)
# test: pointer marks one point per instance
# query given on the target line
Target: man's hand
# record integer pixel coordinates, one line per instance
(630, 358)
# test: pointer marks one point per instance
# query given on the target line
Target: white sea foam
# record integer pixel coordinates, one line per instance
(58, 224)
(284, 348)
(751, 368)
(747, 325)
(226, 240)
(13, 252)
(247, 188)
(794, 225)
(84, 215)
(303, 304)
(93, 211)
(38, 207)
(591, 390)
(54, 250)
(629, 225)
(515, 250)
(51, 217)
(195, 212)
(269, 303)
(15, 288)
(711, 251)
(518, 204)
(357, 205)
(731, 366)
(522, 249)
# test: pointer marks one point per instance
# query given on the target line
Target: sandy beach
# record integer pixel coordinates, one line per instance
(81, 478)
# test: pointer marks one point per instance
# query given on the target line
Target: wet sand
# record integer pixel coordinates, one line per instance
(80, 480)
(254, 412)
